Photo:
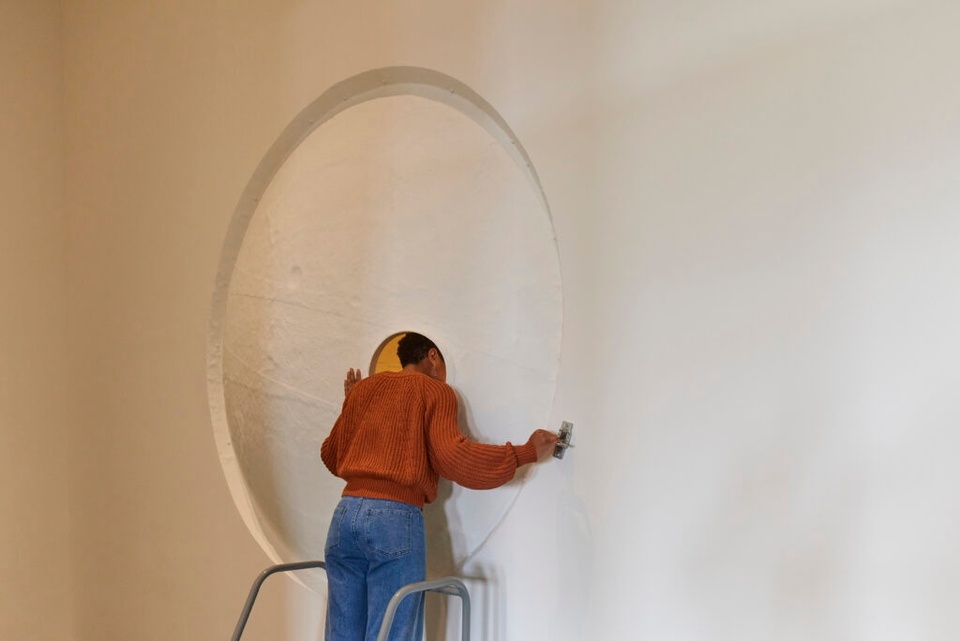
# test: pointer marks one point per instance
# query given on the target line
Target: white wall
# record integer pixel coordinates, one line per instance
(35, 471)
(756, 221)
(777, 330)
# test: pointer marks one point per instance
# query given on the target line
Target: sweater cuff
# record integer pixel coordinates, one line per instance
(525, 453)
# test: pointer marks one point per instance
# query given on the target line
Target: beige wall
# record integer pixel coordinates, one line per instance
(35, 440)
(161, 551)
(756, 217)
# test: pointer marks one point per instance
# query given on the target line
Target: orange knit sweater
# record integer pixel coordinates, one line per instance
(397, 433)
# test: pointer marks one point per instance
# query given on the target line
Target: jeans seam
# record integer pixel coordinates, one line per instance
(353, 525)
(333, 539)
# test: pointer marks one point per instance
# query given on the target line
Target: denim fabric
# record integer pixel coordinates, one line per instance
(374, 548)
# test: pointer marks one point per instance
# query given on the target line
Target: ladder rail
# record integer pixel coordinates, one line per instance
(255, 589)
(449, 585)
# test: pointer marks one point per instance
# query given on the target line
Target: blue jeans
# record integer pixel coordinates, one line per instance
(374, 548)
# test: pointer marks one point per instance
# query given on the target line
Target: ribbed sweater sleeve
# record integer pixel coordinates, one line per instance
(478, 466)
(329, 450)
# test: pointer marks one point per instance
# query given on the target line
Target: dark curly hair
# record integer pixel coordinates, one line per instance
(414, 347)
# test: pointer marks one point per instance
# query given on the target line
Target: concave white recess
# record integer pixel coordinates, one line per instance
(411, 209)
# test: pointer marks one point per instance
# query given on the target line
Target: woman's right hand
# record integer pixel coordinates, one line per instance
(544, 442)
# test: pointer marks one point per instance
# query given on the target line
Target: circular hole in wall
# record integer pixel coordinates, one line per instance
(385, 358)
(398, 199)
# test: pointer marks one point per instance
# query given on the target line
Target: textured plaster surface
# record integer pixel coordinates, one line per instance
(401, 212)
(756, 212)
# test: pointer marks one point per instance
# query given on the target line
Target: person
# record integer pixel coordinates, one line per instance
(397, 433)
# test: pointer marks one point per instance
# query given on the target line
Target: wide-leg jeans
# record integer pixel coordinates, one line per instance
(374, 548)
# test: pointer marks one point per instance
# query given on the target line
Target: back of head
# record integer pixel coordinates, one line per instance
(413, 348)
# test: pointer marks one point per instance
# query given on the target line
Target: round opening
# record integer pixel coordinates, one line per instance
(385, 357)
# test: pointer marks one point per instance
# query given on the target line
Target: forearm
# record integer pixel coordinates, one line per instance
(480, 466)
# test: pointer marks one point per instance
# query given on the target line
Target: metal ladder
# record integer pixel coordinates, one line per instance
(449, 586)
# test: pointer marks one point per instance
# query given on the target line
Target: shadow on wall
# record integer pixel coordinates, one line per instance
(487, 599)
(441, 561)
(445, 537)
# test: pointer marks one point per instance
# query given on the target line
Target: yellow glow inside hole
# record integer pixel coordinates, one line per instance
(385, 356)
